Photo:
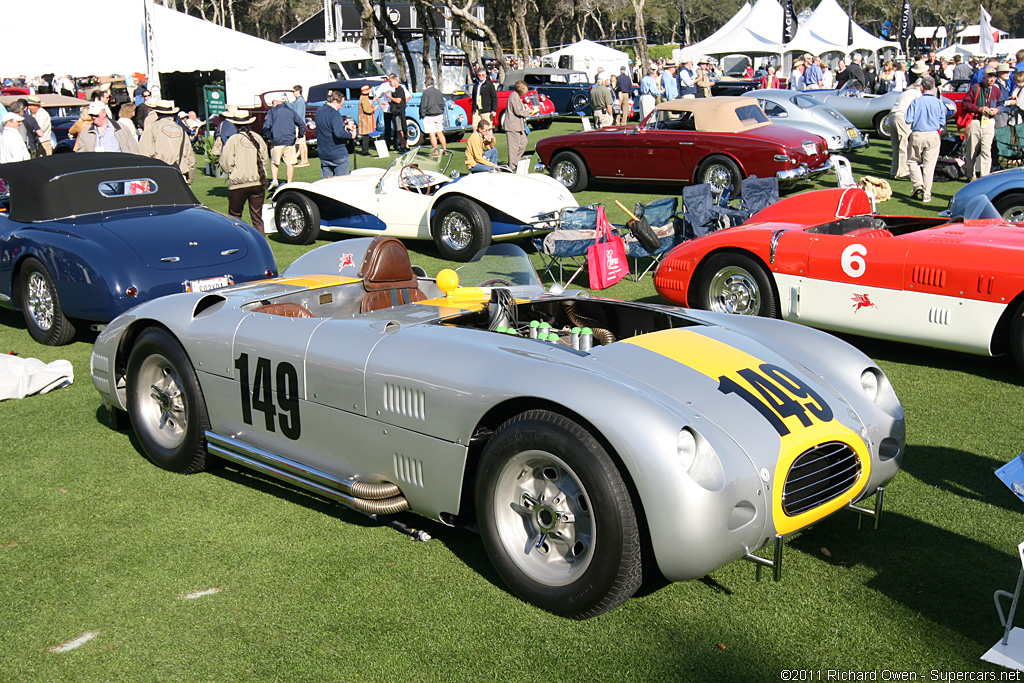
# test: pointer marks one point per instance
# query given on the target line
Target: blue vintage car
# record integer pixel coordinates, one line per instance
(84, 237)
(1005, 189)
(456, 123)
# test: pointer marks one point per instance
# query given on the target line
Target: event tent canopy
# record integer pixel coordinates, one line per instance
(150, 37)
(588, 56)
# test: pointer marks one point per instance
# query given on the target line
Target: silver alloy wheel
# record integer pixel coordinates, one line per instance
(1014, 214)
(567, 173)
(544, 518)
(718, 176)
(293, 220)
(456, 230)
(161, 404)
(734, 290)
(40, 301)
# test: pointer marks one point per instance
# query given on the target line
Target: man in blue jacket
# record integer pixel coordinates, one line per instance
(332, 136)
(279, 130)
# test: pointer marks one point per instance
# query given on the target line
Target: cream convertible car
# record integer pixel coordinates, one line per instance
(593, 442)
(418, 198)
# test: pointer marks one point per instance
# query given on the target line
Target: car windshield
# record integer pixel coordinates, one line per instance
(425, 158)
(500, 265)
(362, 68)
(805, 102)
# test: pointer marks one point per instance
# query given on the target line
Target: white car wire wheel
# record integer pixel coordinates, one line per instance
(461, 228)
(556, 516)
(297, 218)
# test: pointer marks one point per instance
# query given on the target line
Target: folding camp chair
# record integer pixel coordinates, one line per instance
(567, 245)
(661, 216)
(759, 193)
(699, 213)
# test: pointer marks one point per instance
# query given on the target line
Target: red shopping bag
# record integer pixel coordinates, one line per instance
(606, 257)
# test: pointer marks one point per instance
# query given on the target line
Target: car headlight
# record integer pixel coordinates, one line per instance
(686, 446)
(700, 459)
(869, 383)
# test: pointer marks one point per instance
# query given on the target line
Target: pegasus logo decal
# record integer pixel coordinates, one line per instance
(861, 301)
(346, 261)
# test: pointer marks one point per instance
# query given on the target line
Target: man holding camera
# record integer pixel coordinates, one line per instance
(333, 134)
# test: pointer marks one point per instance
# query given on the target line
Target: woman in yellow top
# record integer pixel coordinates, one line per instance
(481, 154)
(367, 121)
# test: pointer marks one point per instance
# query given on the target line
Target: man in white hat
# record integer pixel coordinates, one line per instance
(244, 158)
(687, 79)
(166, 140)
(44, 146)
(104, 135)
(12, 146)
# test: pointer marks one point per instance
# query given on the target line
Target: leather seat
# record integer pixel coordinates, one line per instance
(388, 277)
(286, 309)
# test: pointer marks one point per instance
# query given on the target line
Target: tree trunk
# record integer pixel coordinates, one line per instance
(642, 54)
(466, 16)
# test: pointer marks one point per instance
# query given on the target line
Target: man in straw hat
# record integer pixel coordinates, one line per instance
(244, 159)
(166, 140)
(44, 146)
(982, 103)
(104, 135)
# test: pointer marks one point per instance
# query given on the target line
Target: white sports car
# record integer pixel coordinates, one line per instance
(415, 199)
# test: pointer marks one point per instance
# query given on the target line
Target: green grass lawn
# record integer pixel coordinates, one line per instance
(94, 539)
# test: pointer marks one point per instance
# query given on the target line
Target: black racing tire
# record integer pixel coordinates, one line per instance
(585, 551)
(297, 218)
(569, 169)
(881, 125)
(413, 133)
(461, 228)
(165, 403)
(737, 284)
(643, 231)
(1011, 206)
(720, 172)
(40, 306)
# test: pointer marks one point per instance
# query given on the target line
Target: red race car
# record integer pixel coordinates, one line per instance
(543, 108)
(824, 259)
(717, 140)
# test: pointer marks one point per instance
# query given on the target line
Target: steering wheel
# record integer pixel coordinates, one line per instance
(412, 178)
(495, 281)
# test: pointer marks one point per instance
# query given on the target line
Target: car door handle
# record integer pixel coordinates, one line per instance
(685, 143)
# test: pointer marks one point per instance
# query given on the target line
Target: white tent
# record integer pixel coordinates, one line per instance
(588, 56)
(150, 38)
(759, 31)
(250, 65)
(829, 25)
(695, 49)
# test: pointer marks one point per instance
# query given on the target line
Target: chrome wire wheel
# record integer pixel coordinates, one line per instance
(567, 173)
(544, 518)
(734, 290)
(718, 176)
(40, 300)
(162, 406)
(292, 221)
(456, 231)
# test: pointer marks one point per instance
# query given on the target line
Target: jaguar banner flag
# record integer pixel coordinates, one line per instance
(849, 25)
(789, 23)
(682, 23)
(906, 34)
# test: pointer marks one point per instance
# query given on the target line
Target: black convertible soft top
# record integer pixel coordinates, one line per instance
(66, 185)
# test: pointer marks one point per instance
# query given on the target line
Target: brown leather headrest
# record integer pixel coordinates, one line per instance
(387, 266)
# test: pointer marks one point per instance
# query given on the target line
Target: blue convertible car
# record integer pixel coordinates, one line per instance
(456, 123)
(1005, 189)
(84, 237)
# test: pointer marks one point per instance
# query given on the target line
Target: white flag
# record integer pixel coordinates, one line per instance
(987, 45)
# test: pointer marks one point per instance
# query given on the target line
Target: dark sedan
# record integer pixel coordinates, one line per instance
(568, 90)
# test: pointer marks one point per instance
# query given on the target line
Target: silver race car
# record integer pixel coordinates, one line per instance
(595, 442)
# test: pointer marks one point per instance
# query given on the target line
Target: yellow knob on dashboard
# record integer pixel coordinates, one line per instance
(448, 281)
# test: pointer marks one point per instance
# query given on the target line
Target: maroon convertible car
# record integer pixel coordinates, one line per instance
(718, 140)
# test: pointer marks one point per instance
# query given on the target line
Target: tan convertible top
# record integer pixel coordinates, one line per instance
(719, 114)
